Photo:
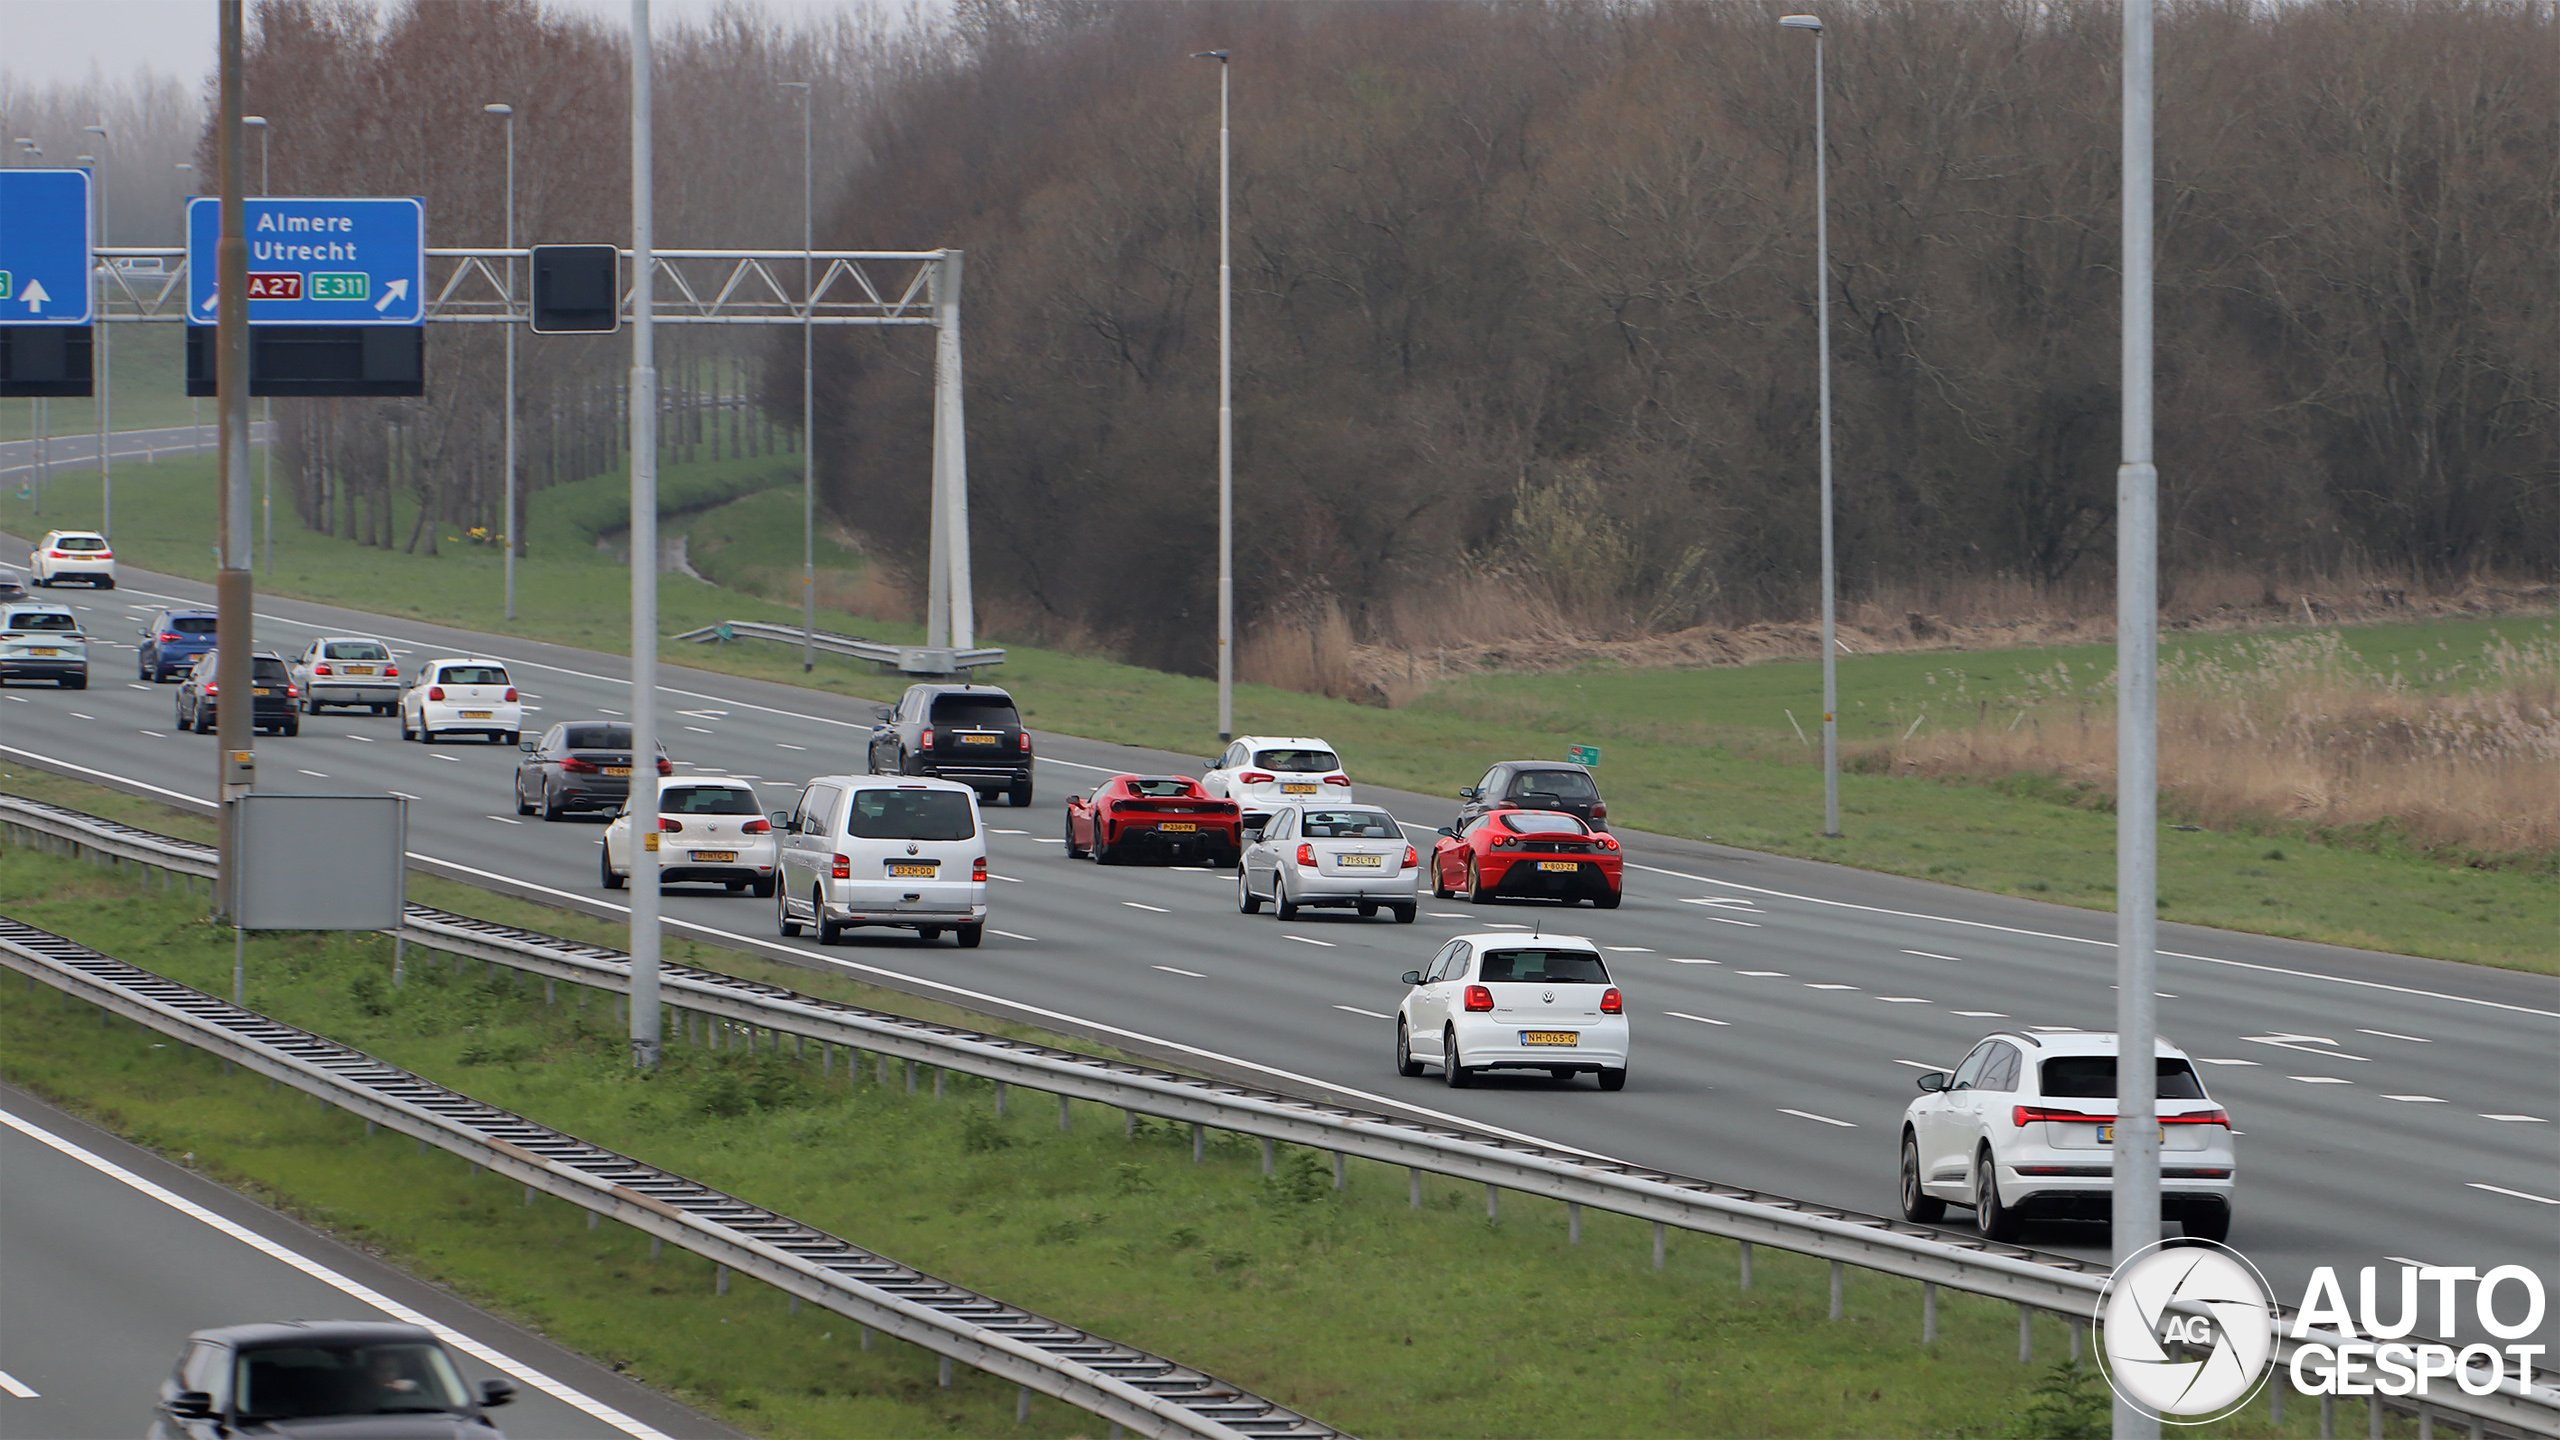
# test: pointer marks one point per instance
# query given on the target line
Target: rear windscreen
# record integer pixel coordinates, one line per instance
(975, 712)
(706, 800)
(1349, 825)
(473, 675)
(79, 542)
(1298, 762)
(910, 815)
(1162, 789)
(1544, 967)
(41, 620)
(597, 737)
(192, 625)
(1562, 784)
(2093, 1077)
(268, 672)
(1543, 823)
(356, 650)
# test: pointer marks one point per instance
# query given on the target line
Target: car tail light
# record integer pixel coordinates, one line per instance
(61, 554)
(924, 740)
(2199, 1117)
(511, 694)
(166, 636)
(1254, 777)
(1025, 740)
(576, 766)
(978, 870)
(1506, 843)
(1607, 844)
(670, 825)
(435, 692)
(1479, 998)
(2028, 1114)
(1307, 856)
(757, 827)
(1412, 858)
(390, 671)
(1599, 811)
(322, 670)
(1612, 1003)
(1341, 780)
(666, 766)
(843, 867)
(106, 554)
(291, 692)
(212, 687)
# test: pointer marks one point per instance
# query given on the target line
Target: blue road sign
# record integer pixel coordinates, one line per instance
(357, 260)
(45, 247)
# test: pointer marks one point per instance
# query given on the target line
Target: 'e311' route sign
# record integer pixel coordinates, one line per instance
(44, 247)
(316, 261)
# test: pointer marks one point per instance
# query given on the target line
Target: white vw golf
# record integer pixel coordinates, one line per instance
(710, 832)
(1514, 1002)
(2023, 1130)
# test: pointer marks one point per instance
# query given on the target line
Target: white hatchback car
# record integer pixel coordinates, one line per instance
(1350, 857)
(2021, 1130)
(711, 831)
(1263, 772)
(458, 693)
(82, 555)
(1514, 1002)
(884, 850)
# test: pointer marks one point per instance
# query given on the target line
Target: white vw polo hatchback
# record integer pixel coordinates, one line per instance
(2024, 1128)
(461, 694)
(1514, 1002)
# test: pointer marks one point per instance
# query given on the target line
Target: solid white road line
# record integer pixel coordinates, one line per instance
(17, 1387)
(2519, 1194)
(1825, 1119)
(362, 1294)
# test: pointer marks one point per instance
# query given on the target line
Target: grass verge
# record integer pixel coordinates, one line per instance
(1693, 752)
(1384, 1319)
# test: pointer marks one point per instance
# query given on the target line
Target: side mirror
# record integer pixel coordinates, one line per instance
(1253, 834)
(884, 712)
(781, 819)
(494, 1393)
(1933, 1082)
(1468, 792)
(1413, 977)
(1446, 831)
(191, 1405)
(1075, 799)
(529, 745)
(1216, 762)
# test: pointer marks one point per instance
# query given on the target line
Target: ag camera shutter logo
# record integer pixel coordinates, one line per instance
(2185, 1331)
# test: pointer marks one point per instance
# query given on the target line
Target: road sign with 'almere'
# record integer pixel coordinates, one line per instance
(44, 247)
(349, 260)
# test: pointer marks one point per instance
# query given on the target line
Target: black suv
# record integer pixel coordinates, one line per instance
(274, 705)
(1536, 785)
(373, 1378)
(969, 733)
(578, 765)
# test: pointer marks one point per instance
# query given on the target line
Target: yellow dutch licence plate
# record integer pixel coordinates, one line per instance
(714, 857)
(1360, 862)
(922, 870)
(467, 714)
(1178, 827)
(359, 669)
(1550, 1037)
(49, 650)
(617, 770)
(1567, 866)
(263, 690)
(980, 739)
(2106, 1134)
(1297, 789)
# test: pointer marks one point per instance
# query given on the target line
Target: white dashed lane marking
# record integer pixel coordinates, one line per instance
(2320, 1080)
(1701, 1019)
(1983, 1014)
(1356, 1010)
(1309, 940)
(2387, 1035)
(1158, 909)
(17, 1387)
(1811, 985)
(2519, 1194)
(1929, 955)
(2219, 1060)
(1178, 970)
(2518, 1119)
(1675, 960)
(1902, 999)
(1009, 935)
(1763, 974)
(1825, 1119)
(314, 774)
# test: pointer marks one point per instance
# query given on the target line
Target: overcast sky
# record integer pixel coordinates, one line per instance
(48, 40)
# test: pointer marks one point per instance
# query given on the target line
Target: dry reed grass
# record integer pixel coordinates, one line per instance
(2302, 732)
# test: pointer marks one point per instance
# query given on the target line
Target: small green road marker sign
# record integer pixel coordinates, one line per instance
(342, 285)
(1583, 754)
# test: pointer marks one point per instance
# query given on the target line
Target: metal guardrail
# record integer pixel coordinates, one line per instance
(2031, 1279)
(911, 659)
(1117, 1382)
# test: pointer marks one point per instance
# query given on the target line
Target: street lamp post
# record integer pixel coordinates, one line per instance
(507, 526)
(645, 1011)
(808, 387)
(106, 462)
(1226, 429)
(195, 413)
(1822, 324)
(37, 411)
(266, 408)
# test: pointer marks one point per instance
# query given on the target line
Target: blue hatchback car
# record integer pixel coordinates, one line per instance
(171, 643)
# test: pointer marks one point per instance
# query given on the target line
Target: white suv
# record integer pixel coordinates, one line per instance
(2022, 1129)
(81, 555)
(461, 694)
(884, 850)
(1514, 1002)
(1264, 772)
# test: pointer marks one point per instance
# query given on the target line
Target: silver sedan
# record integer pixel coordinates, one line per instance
(1352, 857)
(347, 670)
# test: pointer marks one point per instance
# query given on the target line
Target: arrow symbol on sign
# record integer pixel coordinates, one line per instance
(393, 291)
(213, 300)
(35, 297)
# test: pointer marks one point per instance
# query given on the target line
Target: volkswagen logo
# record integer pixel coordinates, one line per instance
(2185, 1330)
(1548, 996)
(911, 847)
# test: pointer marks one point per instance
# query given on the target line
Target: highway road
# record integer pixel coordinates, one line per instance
(110, 1255)
(21, 458)
(2390, 1107)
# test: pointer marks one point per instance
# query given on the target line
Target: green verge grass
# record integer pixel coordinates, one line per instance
(1381, 1318)
(752, 545)
(1691, 752)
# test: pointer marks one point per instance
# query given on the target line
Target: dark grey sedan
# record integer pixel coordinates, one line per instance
(578, 765)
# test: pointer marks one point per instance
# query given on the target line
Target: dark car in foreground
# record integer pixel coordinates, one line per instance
(578, 765)
(1536, 785)
(275, 702)
(340, 1379)
(969, 733)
